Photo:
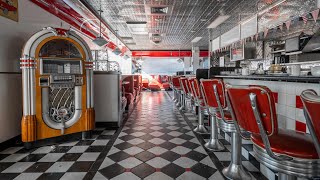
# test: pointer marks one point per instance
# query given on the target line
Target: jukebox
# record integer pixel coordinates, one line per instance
(57, 86)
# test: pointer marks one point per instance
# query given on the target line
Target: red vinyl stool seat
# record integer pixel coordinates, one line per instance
(227, 115)
(285, 142)
(166, 86)
(290, 153)
(177, 90)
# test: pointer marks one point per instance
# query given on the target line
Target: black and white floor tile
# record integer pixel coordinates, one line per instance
(156, 142)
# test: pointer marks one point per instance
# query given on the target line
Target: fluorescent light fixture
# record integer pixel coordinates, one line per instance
(100, 41)
(196, 39)
(218, 21)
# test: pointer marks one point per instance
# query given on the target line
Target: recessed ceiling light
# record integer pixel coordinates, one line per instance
(196, 39)
(220, 19)
(192, 31)
(203, 20)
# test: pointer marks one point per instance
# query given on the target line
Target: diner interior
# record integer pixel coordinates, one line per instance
(160, 89)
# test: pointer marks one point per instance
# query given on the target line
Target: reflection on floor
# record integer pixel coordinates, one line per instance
(156, 142)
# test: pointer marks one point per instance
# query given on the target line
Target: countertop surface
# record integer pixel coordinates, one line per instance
(306, 79)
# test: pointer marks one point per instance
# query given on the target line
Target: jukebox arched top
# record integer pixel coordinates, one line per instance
(60, 48)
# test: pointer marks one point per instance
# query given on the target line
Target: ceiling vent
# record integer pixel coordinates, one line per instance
(137, 27)
(158, 10)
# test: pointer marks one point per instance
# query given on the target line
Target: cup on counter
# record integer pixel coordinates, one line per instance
(295, 70)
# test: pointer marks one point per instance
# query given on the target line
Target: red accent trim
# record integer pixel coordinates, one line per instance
(174, 53)
(28, 60)
(161, 53)
(4, 5)
(204, 53)
(301, 127)
(299, 103)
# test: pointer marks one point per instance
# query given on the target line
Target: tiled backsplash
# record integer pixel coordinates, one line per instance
(288, 103)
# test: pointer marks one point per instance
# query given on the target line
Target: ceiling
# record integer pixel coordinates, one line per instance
(185, 20)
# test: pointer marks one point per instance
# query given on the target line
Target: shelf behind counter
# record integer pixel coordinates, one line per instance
(300, 79)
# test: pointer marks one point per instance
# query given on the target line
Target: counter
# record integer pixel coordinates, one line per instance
(301, 79)
(286, 91)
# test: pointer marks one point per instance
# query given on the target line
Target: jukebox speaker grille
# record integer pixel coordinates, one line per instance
(61, 104)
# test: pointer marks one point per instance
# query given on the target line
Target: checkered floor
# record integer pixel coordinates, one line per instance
(156, 142)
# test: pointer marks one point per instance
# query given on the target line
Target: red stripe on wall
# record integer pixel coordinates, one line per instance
(299, 103)
(300, 126)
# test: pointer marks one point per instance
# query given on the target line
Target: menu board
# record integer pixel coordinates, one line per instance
(236, 54)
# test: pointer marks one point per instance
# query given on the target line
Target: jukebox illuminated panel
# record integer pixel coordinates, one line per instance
(57, 85)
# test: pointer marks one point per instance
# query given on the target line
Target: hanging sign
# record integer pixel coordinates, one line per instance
(315, 14)
(288, 23)
(9, 9)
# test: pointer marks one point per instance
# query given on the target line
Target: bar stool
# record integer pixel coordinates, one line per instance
(183, 93)
(198, 99)
(207, 89)
(290, 153)
(188, 96)
(235, 170)
(176, 90)
(311, 104)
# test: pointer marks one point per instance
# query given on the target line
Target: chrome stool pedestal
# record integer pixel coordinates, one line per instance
(236, 170)
(174, 95)
(200, 129)
(178, 103)
(183, 102)
(214, 144)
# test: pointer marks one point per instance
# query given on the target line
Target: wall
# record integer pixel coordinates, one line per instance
(13, 35)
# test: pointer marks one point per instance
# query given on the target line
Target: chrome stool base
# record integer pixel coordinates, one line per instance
(214, 144)
(235, 170)
(201, 129)
(282, 176)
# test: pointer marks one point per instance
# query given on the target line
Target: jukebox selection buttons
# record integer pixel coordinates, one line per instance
(79, 81)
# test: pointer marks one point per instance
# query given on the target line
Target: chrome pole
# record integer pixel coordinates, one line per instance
(235, 170)
(201, 129)
(214, 144)
(183, 102)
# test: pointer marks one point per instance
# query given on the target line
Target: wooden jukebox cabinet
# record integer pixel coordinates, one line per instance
(57, 86)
